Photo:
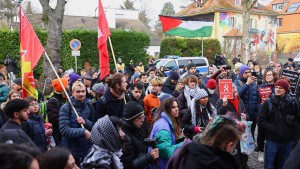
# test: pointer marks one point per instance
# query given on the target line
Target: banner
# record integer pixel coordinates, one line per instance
(294, 77)
(225, 88)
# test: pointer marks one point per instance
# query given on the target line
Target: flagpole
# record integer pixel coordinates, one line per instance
(113, 53)
(202, 46)
(66, 93)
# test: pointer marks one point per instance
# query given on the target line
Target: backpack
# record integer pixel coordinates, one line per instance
(43, 108)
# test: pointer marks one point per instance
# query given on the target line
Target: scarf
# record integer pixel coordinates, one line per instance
(190, 93)
(117, 95)
(235, 103)
(107, 145)
(202, 109)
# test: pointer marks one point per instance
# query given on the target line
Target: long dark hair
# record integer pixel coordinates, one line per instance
(208, 107)
(55, 158)
(166, 107)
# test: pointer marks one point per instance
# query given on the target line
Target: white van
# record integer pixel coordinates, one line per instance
(171, 61)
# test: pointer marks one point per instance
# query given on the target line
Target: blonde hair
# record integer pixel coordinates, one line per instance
(157, 81)
(77, 84)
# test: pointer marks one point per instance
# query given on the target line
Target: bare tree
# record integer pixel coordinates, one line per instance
(9, 9)
(247, 6)
(168, 9)
(144, 18)
(128, 4)
(53, 17)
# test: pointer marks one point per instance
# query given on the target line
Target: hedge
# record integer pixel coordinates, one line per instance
(190, 47)
(126, 45)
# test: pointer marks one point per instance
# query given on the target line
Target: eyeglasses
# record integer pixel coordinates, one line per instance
(33, 104)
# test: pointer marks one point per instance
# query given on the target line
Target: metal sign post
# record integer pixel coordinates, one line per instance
(75, 45)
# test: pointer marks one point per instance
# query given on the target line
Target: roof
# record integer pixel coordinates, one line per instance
(285, 8)
(233, 33)
(222, 6)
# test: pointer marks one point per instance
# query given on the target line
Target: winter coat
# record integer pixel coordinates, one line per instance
(204, 156)
(163, 129)
(151, 101)
(140, 101)
(34, 128)
(73, 136)
(4, 90)
(293, 161)
(281, 123)
(168, 87)
(182, 104)
(11, 125)
(213, 98)
(250, 96)
(223, 110)
(134, 151)
(109, 105)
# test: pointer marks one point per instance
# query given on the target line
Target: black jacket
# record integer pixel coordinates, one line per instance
(11, 125)
(224, 110)
(293, 161)
(282, 121)
(140, 101)
(168, 87)
(134, 152)
(208, 157)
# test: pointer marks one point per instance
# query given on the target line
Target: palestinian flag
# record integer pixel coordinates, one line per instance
(180, 26)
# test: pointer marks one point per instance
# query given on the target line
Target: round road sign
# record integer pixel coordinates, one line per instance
(75, 44)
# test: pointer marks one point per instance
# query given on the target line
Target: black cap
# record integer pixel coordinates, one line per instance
(191, 65)
(132, 110)
(291, 59)
(18, 81)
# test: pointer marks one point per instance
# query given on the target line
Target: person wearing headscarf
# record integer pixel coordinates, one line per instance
(106, 151)
(201, 112)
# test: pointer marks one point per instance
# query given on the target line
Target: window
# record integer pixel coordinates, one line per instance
(238, 2)
(275, 7)
(171, 64)
(199, 62)
(293, 7)
(232, 22)
(253, 23)
(279, 21)
(279, 6)
(182, 63)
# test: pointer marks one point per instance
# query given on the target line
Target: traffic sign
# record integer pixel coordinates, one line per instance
(75, 52)
(75, 44)
(247, 41)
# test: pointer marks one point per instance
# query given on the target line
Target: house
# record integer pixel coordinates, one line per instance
(288, 30)
(227, 25)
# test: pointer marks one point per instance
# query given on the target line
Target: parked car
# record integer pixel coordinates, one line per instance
(172, 61)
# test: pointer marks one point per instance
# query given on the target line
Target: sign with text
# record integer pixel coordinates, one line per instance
(264, 93)
(294, 77)
(225, 88)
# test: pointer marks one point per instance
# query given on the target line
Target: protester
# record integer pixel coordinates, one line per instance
(178, 88)
(185, 98)
(34, 126)
(55, 102)
(15, 156)
(112, 103)
(87, 81)
(130, 69)
(58, 158)
(98, 91)
(17, 85)
(121, 66)
(106, 151)
(17, 112)
(73, 77)
(170, 83)
(293, 161)
(151, 75)
(13, 94)
(74, 137)
(140, 67)
(136, 94)
(216, 146)
(211, 89)
(87, 67)
(279, 117)
(166, 129)
(4, 90)
(191, 71)
(143, 80)
(15, 136)
(136, 129)
(290, 63)
(201, 112)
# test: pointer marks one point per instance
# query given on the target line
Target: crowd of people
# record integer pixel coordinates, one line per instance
(139, 117)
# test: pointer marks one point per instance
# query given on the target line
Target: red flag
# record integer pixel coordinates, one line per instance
(103, 33)
(31, 51)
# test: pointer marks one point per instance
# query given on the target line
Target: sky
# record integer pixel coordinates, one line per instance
(87, 7)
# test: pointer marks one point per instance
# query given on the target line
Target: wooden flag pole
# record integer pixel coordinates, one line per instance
(113, 53)
(66, 93)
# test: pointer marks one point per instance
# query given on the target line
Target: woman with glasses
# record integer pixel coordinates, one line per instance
(214, 147)
(166, 129)
(136, 130)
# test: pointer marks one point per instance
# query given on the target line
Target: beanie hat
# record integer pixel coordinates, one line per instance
(283, 83)
(18, 81)
(290, 59)
(243, 69)
(211, 84)
(73, 77)
(200, 94)
(99, 88)
(56, 84)
(174, 75)
(132, 110)
(189, 66)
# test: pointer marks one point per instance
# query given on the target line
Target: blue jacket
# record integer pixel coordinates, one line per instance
(163, 130)
(4, 90)
(73, 136)
(250, 96)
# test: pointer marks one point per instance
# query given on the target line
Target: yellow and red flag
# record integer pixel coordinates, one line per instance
(103, 33)
(31, 51)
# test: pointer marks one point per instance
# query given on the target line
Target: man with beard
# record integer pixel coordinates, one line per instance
(17, 112)
(136, 94)
(143, 80)
(170, 83)
(112, 103)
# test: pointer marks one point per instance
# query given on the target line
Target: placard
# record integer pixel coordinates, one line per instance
(294, 77)
(225, 88)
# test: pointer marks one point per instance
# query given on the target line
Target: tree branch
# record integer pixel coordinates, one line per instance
(60, 7)
(46, 7)
(253, 3)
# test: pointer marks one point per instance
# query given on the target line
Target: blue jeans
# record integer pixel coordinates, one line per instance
(280, 151)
